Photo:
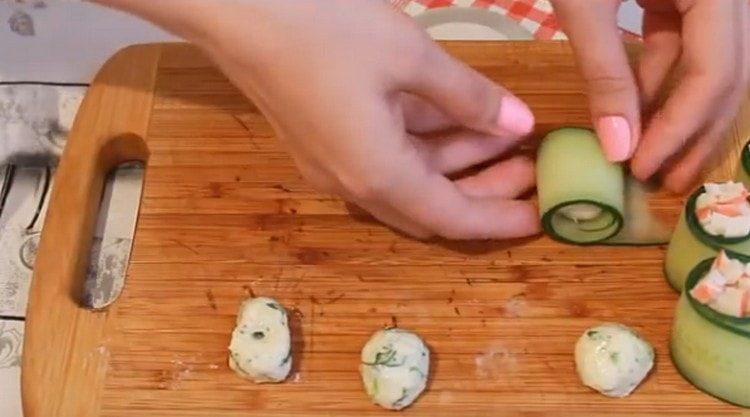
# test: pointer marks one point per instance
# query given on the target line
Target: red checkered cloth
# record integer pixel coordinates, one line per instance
(537, 11)
(536, 16)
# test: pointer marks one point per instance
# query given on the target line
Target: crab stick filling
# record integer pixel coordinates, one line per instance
(723, 209)
(726, 287)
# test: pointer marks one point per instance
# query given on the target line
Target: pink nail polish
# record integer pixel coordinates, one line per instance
(515, 116)
(615, 135)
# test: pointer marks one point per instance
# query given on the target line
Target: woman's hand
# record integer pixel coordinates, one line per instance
(705, 43)
(357, 91)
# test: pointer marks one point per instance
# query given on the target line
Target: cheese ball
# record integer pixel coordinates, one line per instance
(261, 343)
(395, 366)
(613, 359)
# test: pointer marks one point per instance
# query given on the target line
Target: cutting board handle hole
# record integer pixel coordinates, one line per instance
(121, 171)
(121, 149)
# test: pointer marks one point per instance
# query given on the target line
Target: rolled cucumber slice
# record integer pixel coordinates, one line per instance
(743, 171)
(690, 244)
(586, 200)
(709, 348)
(684, 252)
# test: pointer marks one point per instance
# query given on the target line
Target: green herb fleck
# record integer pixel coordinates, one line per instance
(404, 394)
(592, 334)
(288, 357)
(417, 370)
(374, 388)
(284, 319)
(386, 357)
(274, 306)
(258, 335)
(614, 356)
(238, 363)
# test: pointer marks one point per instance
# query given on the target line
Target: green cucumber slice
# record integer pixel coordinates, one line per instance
(581, 232)
(709, 348)
(743, 171)
(711, 358)
(572, 169)
(641, 227)
(684, 252)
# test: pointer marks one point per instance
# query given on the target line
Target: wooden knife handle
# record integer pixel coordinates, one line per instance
(110, 128)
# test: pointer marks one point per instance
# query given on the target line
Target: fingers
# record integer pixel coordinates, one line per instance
(746, 42)
(420, 116)
(685, 172)
(456, 151)
(468, 97)
(706, 91)
(662, 46)
(390, 172)
(395, 219)
(507, 179)
(504, 180)
(438, 204)
(613, 93)
(673, 126)
(423, 203)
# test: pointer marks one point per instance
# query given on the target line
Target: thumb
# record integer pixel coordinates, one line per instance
(592, 29)
(468, 97)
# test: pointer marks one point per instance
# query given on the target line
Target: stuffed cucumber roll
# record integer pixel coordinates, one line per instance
(716, 216)
(710, 337)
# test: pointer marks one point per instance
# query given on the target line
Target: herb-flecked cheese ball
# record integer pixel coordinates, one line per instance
(261, 343)
(395, 366)
(613, 359)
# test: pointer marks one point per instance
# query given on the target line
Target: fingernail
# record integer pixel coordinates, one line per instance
(615, 135)
(515, 116)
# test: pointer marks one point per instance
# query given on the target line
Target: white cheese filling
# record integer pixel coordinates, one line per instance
(723, 209)
(261, 343)
(395, 366)
(581, 212)
(613, 359)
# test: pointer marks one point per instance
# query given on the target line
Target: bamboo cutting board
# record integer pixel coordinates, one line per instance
(225, 215)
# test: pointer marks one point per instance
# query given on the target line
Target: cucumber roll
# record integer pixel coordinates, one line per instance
(743, 171)
(716, 216)
(585, 199)
(710, 337)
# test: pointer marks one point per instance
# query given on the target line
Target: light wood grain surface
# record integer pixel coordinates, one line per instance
(225, 215)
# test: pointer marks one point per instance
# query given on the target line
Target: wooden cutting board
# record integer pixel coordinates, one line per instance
(225, 215)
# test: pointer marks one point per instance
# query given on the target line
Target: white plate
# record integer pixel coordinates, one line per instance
(462, 23)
